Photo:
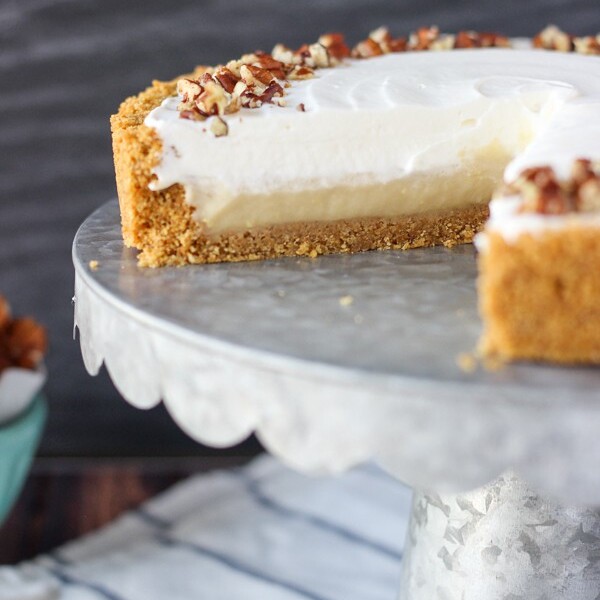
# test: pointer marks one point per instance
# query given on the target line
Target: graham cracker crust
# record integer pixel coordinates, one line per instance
(539, 296)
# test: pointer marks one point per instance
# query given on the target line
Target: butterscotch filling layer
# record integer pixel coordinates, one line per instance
(417, 194)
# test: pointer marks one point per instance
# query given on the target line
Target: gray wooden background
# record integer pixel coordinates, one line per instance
(64, 67)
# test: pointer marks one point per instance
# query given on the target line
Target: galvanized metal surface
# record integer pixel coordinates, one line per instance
(279, 348)
(501, 542)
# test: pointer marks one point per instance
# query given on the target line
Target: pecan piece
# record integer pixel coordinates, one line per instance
(226, 78)
(192, 114)
(423, 38)
(27, 342)
(300, 72)
(553, 38)
(219, 127)
(4, 312)
(335, 44)
(251, 75)
(543, 193)
(367, 49)
(476, 39)
(284, 55)
(587, 45)
(379, 42)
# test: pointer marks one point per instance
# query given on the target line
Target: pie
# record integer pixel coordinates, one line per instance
(398, 143)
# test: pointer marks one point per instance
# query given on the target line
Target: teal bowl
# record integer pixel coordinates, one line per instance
(19, 440)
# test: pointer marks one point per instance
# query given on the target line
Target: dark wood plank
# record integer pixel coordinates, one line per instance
(65, 499)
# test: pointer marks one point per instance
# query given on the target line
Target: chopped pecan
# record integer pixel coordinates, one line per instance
(27, 342)
(587, 45)
(213, 100)
(443, 42)
(423, 38)
(553, 38)
(475, 39)
(586, 182)
(489, 40)
(588, 196)
(300, 72)
(23, 342)
(273, 90)
(379, 42)
(285, 55)
(4, 312)
(251, 75)
(219, 127)
(335, 44)
(318, 56)
(386, 42)
(189, 90)
(543, 193)
(192, 114)
(268, 62)
(226, 78)
(583, 170)
(367, 49)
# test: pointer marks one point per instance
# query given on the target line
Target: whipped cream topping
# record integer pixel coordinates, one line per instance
(506, 220)
(387, 118)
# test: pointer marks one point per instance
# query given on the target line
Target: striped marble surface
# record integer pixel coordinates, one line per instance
(64, 67)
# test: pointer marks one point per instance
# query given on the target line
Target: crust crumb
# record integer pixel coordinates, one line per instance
(346, 300)
(467, 362)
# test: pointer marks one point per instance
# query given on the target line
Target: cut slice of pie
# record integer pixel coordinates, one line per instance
(539, 264)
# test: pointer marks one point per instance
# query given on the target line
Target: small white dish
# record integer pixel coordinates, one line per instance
(18, 387)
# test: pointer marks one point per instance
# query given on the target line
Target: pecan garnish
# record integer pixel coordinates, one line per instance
(259, 78)
(226, 78)
(255, 79)
(335, 44)
(426, 38)
(204, 97)
(256, 75)
(23, 342)
(542, 192)
(300, 72)
(587, 45)
(553, 38)
(474, 39)
(4, 313)
(192, 114)
(386, 42)
(367, 49)
(379, 42)
(219, 127)
(423, 38)
(586, 183)
(268, 62)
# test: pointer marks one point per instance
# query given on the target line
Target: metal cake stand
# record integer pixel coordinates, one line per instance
(337, 360)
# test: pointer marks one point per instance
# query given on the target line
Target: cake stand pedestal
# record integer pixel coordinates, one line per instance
(341, 359)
